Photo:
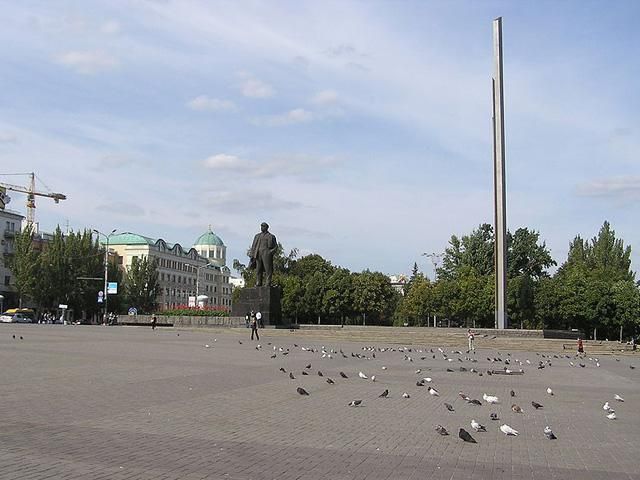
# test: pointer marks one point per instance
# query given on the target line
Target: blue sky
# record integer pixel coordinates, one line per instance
(359, 130)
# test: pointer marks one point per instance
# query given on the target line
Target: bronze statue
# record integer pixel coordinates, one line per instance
(261, 255)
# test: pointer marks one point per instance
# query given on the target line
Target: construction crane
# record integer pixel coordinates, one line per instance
(31, 194)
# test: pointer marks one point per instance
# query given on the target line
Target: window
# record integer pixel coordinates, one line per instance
(162, 277)
(179, 279)
(173, 278)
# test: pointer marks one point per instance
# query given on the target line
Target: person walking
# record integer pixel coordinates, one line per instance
(259, 319)
(254, 328)
(154, 322)
(471, 339)
(580, 346)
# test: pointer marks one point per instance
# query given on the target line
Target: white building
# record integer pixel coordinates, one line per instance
(182, 273)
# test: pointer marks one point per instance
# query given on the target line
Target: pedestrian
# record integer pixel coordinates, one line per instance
(259, 319)
(246, 319)
(471, 338)
(580, 346)
(254, 328)
(154, 322)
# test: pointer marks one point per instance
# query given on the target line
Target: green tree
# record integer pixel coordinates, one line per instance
(338, 297)
(141, 284)
(23, 264)
(374, 297)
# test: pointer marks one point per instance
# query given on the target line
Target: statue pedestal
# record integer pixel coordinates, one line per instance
(265, 300)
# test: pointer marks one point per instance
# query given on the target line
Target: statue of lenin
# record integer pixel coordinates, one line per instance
(261, 254)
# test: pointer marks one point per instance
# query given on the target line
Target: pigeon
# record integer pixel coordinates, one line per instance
(449, 407)
(618, 398)
(473, 401)
(612, 416)
(548, 433)
(516, 408)
(283, 370)
(490, 398)
(362, 375)
(273, 356)
(14, 337)
(549, 391)
(384, 368)
(418, 371)
(355, 403)
(302, 391)
(507, 430)
(343, 375)
(330, 382)
(477, 427)
(308, 366)
(630, 366)
(494, 416)
(536, 405)
(291, 376)
(441, 430)
(240, 342)
(463, 396)
(320, 373)
(304, 372)
(513, 394)
(420, 383)
(607, 408)
(406, 395)
(384, 394)
(466, 436)
(427, 379)
(21, 337)
(434, 392)
(373, 378)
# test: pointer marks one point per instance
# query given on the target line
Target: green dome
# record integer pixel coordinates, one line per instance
(209, 238)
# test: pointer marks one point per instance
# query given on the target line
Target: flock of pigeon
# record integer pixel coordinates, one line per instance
(509, 367)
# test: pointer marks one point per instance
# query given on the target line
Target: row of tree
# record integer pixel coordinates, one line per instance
(315, 291)
(69, 270)
(593, 288)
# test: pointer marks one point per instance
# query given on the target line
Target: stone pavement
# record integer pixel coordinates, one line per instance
(129, 403)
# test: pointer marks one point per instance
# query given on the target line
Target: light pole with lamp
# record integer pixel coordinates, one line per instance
(198, 267)
(435, 259)
(106, 271)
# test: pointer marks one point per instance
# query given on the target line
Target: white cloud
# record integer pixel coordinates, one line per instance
(87, 63)
(254, 88)
(306, 167)
(8, 137)
(110, 27)
(292, 117)
(325, 97)
(615, 187)
(204, 103)
(240, 201)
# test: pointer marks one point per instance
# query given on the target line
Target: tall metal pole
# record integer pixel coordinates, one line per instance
(499, 181)
(106, 282)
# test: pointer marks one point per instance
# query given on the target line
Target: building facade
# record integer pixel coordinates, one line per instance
(182, 273)
(11, 224)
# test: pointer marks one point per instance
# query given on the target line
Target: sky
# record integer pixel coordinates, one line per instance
(359, 130)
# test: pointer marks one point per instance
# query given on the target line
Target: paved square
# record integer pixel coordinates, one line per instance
(130, 403)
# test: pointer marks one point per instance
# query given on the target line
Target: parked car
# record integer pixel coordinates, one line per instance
(14, 318)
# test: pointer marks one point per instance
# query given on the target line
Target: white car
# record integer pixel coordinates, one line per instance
(14, 318)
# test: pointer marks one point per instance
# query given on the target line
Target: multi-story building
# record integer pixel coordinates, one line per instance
(10, 223)
(182, 273)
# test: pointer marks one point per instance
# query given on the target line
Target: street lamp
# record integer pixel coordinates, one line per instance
(198, 267)
(106, 271)
(1, 303)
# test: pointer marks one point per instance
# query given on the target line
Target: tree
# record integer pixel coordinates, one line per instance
(141, 284)
(374, 297)
(23, 264)
(338, 297)
(473, 251)
(292, 297)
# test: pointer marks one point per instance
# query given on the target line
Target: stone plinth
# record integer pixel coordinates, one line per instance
(265, 300)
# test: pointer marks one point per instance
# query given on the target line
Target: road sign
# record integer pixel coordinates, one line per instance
(133, 311)
(112, 288)
(63, 307)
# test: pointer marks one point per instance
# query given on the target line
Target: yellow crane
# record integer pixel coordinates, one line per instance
(31, 192)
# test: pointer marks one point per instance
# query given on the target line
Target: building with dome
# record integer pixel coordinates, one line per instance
(182, 272)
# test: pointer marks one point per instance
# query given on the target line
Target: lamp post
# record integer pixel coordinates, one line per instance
(435, 259)
(198, 267)
(1, 303)
(106, 271)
